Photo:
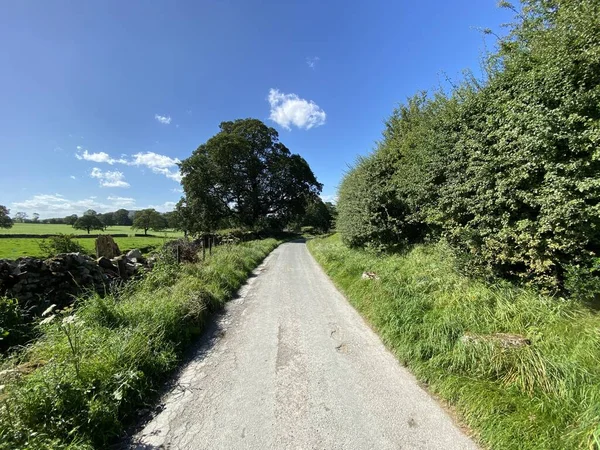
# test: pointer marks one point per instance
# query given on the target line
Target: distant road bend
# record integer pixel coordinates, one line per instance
(293, 366)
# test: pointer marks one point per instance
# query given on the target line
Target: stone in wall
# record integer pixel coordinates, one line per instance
(106, 247)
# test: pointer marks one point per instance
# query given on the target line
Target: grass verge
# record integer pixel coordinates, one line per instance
(83, 382)
(545, 395)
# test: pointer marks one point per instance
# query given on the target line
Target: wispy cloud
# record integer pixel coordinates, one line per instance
(100, 157)
(151, 159)
(52, 205)
(73, 177)
(289, 109)
(312, 61)
(163, 119)
(172, 174)
(160, 164)
(56, 205)
(109, 179)
(122, 202)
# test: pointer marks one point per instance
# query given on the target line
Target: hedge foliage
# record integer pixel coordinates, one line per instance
(507, 169)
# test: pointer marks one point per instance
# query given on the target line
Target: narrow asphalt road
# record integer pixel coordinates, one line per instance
(291, 365)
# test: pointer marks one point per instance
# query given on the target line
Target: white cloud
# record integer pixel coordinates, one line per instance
(177, 190)
(59, 206)
(163, 119)
(173, 175)
(312, 62)
(151, 159)
(122, 202)
(329, 198)
(289, 109)
(109, 179)
(100, 157)
(55, 205)
(165, 207)
(73, 177)
(160, 164)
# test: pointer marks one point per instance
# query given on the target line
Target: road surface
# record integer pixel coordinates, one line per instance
(291, 365)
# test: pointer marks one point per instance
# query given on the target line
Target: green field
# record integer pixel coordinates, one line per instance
(41, 228)
(15, 248)
(12, 248)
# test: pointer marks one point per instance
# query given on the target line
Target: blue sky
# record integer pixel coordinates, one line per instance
(100, 99)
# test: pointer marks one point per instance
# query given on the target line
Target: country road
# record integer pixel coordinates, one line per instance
(291, 365)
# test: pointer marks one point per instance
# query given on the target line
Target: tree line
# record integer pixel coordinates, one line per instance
(504, 169)
(145, 219)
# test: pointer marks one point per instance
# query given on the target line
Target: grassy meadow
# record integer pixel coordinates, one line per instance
(42, 228)
(12, 248)
(545, 395)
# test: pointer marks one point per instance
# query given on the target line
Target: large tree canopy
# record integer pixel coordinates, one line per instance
(244, 176)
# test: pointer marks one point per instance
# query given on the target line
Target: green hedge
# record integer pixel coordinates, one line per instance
(506, 170)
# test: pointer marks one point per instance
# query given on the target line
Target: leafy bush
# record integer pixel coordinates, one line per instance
(506, 170)
(369, 211)
(62, 243)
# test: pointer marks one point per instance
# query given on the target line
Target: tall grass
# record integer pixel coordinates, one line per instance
(540, 396)
(87, 377)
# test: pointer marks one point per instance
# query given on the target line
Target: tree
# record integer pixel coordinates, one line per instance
(318, 215)
(70, 220)
(5, 220)
(20, 217)
(88, 222)
(148, 219)
(121, 217)
(244, 176)
(107, 219)
(36, 218)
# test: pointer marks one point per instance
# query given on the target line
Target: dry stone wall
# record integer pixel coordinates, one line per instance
(38, 283)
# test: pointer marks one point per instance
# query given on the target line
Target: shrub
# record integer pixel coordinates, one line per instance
(62, 243)
(369, 211)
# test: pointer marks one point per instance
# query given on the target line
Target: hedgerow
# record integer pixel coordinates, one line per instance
(505, 170)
